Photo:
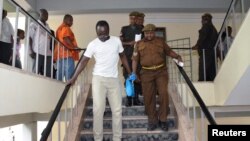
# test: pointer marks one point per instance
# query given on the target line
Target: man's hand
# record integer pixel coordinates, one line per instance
(32, 55)
(195, 47)
(132, 77)
(71, 81)
(179, 58)
(132, 43)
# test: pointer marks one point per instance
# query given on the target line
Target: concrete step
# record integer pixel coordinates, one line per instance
(127, 122)
(137, 134)
(124, 99)
(126, 111)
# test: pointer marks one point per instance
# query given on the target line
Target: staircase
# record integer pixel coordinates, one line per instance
(134, 123)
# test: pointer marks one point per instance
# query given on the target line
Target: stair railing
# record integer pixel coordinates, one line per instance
(191, 102)
(234, 18)
(182, 47)
(67, 106)
(50, 42)
(63, 116)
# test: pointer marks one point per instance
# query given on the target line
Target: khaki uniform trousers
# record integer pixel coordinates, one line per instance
(153, 81)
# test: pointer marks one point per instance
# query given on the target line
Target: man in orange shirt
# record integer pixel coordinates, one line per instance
(64, 54)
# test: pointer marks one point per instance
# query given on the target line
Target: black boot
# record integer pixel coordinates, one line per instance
(163, 125)
(137, 102)
(128, 101)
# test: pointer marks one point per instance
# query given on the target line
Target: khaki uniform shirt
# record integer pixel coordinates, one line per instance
(151, 53)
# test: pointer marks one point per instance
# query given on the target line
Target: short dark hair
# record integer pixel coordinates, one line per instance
(67, 16)
(102, 23)
(19, 31)
(207, 16)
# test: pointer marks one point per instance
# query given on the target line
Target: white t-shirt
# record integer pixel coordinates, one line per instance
(7, 31)
(106, 56)
(39, 38)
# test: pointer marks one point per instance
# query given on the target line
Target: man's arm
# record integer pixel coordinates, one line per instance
(69, 43)
(202, 37)
(175, 55)
(171, 53)
(125, 43)
(32, 53)
(82, 64)
(124, 62)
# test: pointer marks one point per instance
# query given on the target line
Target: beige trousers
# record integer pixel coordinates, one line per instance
(103, 87)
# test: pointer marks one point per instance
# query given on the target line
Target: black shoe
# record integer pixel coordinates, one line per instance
(137, 102)
(151, 127)
(128, 102)
(163, 126)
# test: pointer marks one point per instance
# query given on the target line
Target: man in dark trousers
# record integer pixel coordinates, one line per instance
(151, 53)
(128, 40)
(205, 45)
(6, 39)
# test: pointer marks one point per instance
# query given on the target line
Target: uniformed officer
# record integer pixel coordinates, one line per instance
(205, 45)
(128, 40)
(151, 53)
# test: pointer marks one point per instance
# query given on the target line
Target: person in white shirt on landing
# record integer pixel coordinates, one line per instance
(40, 44)
(6, 39)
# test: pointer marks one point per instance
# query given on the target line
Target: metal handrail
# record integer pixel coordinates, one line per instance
(15, 3)
(47, 130)
(181, 48)
(197, 96)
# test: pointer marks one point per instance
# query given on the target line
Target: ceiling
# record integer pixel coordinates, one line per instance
(124, 6)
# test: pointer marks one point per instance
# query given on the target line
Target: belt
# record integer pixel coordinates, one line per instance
(155, 67)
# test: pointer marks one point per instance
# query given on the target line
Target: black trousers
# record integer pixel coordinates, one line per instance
(5, 52)
(207, 64)
(40, 66)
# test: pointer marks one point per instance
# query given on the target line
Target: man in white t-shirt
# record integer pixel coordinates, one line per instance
(105, 82)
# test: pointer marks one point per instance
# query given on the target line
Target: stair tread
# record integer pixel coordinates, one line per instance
(132, 131)
(123, 106)
(126, 118)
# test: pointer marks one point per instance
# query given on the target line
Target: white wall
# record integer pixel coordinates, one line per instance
(26, 93)
(229, 85)
(178, 25)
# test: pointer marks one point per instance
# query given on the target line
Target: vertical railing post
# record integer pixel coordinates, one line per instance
(67, 70)
(45, 55)
(71, 104)
(242, 10)
(191, 59)
(58, 64)
(66, 117)
(27, 44)
(52, 57)
(15, 38)
(63, 63)
(203, 137)
(204, 64)
(59, 127)
(1, 14)
(37, 48)
(234, 19)
(194, 116)
(187, 101)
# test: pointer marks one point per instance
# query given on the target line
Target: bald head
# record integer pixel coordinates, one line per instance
(4, 14)
(43, 15)
(68, 20)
